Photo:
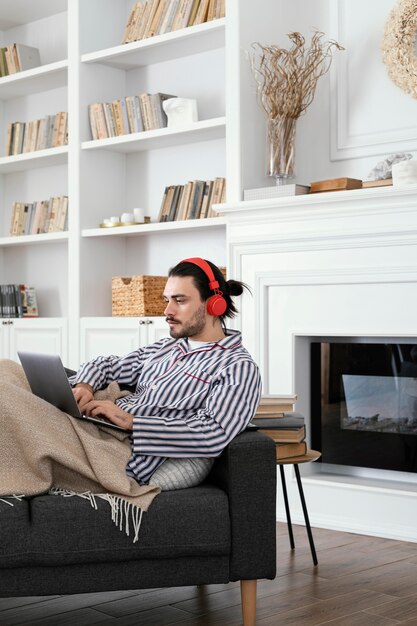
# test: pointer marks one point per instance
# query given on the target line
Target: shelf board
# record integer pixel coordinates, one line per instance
(191, 40)
(33, 160)
(24, 240)
(161, 137)
(155, 227)
(36, 80)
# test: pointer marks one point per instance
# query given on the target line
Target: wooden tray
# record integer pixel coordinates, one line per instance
(335, 184)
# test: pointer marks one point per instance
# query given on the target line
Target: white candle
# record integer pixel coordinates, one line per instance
(404, 173)
(139, 215)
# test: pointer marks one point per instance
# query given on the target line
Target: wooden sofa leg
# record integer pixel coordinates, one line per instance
(248, 595)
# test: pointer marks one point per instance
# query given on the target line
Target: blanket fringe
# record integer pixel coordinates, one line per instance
(122, 511)
(12, 497)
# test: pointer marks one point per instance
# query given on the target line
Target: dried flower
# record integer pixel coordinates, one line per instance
(287, 79)
(286, 84)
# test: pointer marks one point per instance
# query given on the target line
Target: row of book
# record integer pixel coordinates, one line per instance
(41, 216)
(157, 17)
(278, 420)
(192, 201)
(132, 114)
(16, 58)
(48, 132)
(18, 301)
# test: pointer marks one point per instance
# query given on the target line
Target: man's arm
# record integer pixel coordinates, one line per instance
(226, 412)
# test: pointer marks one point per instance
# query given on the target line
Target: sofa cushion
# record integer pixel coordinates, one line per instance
(15, 532)
(186, 522)
(181, 473)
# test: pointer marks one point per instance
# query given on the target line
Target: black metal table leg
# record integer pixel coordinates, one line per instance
(307, 521)
(287, 507)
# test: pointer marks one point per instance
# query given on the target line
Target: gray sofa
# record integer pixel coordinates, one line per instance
(222, 530)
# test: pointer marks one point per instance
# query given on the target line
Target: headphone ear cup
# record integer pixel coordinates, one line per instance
(216, 305)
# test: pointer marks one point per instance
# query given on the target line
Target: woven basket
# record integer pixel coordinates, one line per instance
(136, 296)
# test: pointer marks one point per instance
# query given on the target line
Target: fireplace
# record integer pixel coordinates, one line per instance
(364, 403)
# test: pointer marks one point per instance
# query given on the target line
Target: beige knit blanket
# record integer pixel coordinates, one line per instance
(44, 450)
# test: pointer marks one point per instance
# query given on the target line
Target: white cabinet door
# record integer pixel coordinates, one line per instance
(103, 336)
(47, 335)
(157, 328)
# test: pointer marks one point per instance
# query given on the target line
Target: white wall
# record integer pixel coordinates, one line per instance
(358, 116)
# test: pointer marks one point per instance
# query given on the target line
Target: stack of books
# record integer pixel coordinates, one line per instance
(42, 216)
(17, 58)
(149, 18)
(132, 114)
(192, 201)
(18, 301)
(48, 132)
(276, 418)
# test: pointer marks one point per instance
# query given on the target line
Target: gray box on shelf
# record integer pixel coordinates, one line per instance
(278, 191)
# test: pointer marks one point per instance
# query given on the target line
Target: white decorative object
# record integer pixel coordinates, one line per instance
(180, 111)
(115, 219)
(404, 173)
(383, 169)
(398, 46)
(127, 217)
(139, 215)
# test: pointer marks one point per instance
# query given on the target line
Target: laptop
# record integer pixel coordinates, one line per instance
(48, 380)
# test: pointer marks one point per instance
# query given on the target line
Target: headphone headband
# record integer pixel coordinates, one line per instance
(216, 304)
(203, 265)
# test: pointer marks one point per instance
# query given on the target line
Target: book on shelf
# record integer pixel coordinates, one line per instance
(285, 435)
(278, 191)
(287, 421)
(17, 57)
(192, 200)
(196, 200)
(18, 300)
(290, 450)
(217, 195)
(43, 216)
(201, 15)
(48, 132)
(271, 404)
(131, 114)
(29, 301)
(150, 18)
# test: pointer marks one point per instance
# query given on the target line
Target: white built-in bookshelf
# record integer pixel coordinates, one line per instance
(83, 61)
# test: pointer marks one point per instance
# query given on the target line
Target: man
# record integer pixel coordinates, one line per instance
(193, 392)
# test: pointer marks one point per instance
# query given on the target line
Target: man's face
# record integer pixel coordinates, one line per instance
(185, 311)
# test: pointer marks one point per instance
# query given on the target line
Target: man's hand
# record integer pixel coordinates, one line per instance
(83, 394)
(106, 408)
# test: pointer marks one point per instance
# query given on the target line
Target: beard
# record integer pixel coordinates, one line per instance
(189, 329)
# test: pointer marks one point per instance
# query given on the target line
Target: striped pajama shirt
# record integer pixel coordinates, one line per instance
(185, 403)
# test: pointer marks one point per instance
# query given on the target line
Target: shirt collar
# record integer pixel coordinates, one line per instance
(232, 340)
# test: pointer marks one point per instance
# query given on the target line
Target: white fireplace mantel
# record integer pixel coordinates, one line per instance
(324, 265)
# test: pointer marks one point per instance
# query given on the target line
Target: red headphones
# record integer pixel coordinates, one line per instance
(216, 305)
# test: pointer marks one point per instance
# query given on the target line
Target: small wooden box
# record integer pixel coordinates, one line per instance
(138, 296)
(335, 184)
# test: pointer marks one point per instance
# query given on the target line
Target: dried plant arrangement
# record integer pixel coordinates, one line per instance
(398, 46)
(286, 84)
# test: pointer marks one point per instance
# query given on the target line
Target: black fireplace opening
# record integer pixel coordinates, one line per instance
(364, 404)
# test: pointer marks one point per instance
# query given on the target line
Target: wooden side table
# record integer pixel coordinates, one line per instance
(311, 455)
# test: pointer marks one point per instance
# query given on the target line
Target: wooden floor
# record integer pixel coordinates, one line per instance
(360, 581)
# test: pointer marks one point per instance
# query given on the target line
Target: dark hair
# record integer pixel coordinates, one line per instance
(228, 288)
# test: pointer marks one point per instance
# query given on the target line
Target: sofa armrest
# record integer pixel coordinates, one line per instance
(247, 471)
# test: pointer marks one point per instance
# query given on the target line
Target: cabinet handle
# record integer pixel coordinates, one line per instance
(7, 323)
(149, 321)
(142, 322)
